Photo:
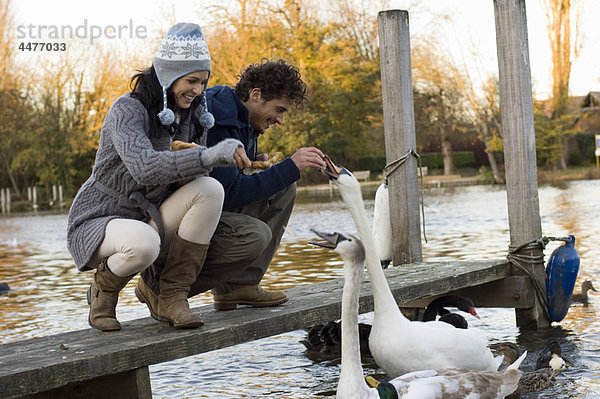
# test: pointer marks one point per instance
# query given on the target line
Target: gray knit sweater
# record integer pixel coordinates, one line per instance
(133, 171)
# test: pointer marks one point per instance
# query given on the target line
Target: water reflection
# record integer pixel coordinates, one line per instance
(48, 294)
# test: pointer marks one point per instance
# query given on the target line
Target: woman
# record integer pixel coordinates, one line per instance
(143, 199)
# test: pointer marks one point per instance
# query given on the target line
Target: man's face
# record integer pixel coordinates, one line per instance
(262, 114)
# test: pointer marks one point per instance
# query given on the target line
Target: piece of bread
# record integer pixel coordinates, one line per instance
(182, 145)
(259, 166)
(274, 157)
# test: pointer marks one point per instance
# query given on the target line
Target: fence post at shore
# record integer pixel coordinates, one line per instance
(34, 198)
(54, 196)
(3, 200)
(518, 130)
(61, 203)
(399, 130)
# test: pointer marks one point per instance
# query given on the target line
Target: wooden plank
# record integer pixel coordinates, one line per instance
(511, 292)
(399, 130)
(38, 365)
(518, 130)
(133, 384)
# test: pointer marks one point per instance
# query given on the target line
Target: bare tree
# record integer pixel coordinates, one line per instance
(563, 21)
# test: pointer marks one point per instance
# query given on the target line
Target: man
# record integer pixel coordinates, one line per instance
(261, 98)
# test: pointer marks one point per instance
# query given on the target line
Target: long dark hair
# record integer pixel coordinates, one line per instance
(145, 87)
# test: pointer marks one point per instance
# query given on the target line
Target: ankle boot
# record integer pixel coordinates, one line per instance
(145, 295)
(184, 263)
(253, 295)
(102, 296)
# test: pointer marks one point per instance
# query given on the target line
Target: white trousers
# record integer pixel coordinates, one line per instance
(192, 212)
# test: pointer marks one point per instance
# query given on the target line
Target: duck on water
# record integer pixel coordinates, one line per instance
(583, 295)
(547, 368)
(449, 383)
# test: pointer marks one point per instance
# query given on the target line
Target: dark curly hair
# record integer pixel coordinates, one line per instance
(275, 79)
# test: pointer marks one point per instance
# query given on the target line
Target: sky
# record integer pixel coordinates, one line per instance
(472, 25)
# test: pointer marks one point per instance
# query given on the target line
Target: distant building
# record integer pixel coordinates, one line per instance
(591, 102)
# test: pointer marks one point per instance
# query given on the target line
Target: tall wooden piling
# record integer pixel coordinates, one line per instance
(399, 129)
(516, 106)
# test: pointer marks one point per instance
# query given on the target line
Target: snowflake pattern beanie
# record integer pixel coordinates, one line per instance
(182, 51)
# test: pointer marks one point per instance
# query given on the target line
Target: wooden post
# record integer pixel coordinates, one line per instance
(3, 200)
(34, 198)
(399, 129)
(8, 200)
(516, 106)
(61, 204)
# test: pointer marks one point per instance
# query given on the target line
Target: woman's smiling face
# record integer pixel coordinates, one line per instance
(188, 87)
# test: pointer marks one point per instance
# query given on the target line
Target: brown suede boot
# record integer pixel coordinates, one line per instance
(184, 263)
(145, 295)
(253, 295)
(102, 296)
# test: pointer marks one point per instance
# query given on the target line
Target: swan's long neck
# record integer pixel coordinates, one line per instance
(352, 371)
(384, 301)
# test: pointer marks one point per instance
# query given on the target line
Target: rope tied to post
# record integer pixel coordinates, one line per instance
(393, 166)
(516, 258)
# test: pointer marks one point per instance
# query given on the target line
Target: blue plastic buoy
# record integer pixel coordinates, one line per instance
(561, 273)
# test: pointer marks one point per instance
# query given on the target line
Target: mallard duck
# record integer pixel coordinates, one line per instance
(534, 381)
(397, 344)
(550, 356)
(451, 383)
(583, 295)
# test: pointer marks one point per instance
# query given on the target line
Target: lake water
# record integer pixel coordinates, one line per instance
(48, 294)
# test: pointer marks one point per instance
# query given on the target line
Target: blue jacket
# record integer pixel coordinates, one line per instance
(231, 121)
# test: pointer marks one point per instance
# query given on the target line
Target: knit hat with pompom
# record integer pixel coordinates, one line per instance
(181, 52)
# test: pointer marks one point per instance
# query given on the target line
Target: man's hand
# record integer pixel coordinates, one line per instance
(308, 157)
(240, 159)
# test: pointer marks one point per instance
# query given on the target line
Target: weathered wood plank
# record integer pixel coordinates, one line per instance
(134, 384)
(399, 130)
(40, 364)
(512, 292)
(518, 132)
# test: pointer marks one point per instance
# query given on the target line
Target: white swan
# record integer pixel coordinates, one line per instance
(382, 226)
(397, 344)
(451, 383)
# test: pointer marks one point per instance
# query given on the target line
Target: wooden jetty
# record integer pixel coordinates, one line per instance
(92, 364)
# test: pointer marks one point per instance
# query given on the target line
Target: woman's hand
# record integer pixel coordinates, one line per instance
(240, 159)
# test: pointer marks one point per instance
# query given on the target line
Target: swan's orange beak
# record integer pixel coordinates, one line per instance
(332, 171)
